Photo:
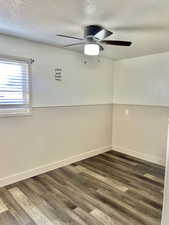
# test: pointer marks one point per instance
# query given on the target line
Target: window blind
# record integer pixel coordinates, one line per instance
(14, 87)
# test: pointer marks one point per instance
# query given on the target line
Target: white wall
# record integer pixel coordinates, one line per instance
(142, 80)
(82, 84)
(141, 112)
(56, 135)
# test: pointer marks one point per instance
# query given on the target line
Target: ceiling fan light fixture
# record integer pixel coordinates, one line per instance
(91, 49)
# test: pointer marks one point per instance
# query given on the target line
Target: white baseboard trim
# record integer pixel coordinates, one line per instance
(139, 155)
(46, 168)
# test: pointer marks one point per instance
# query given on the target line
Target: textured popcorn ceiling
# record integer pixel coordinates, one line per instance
(145, 23)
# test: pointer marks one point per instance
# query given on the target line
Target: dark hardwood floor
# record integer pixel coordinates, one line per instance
(109, 189)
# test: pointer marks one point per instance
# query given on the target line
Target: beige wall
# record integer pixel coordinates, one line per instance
(140, 92)
(54, 134)
(141, 131)
(51, 135)
(30, 145)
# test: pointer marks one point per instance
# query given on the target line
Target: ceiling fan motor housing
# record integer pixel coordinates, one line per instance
(96, 33)
(92, 30)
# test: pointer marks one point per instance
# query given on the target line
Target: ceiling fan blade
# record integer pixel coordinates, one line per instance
(103, 34)
(70, 45)
(116, 42)
(66, 36)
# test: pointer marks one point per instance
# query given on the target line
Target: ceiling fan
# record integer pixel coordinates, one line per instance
(93, 40)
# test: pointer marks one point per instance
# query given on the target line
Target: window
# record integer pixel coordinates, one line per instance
(14, 87)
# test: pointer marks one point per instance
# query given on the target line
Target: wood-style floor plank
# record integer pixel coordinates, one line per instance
(7, 219)
(3, 207)
(99, 215)
(105, 180)
(108, 189)
(29, 207)
(14, 208)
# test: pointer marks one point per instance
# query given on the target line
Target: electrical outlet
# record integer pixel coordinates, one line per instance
(126, 112)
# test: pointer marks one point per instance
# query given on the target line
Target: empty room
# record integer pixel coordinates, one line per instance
(84, 112)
